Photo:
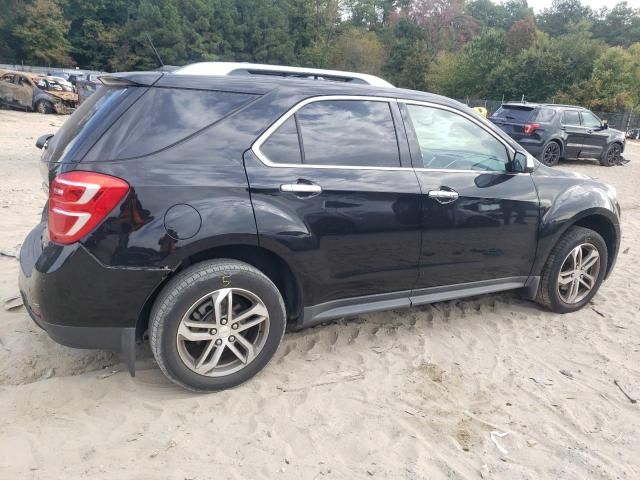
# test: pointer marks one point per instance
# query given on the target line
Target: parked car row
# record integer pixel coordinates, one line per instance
(552, 132)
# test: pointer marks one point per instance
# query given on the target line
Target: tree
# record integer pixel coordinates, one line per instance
(358, 50)
(42, 32)
(562, 14)
(521, 35)
(618, 26)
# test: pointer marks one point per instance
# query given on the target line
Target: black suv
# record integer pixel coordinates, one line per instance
(551, 132)
(213, 212)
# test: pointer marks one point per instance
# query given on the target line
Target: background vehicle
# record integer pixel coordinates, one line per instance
(218, 210)
(35, 93)
(551, 132)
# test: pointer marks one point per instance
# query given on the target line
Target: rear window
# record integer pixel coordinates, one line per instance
(545, 115)
(514, 113)
(86, 119)
(163, 117)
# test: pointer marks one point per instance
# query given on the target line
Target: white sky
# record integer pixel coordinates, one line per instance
(539, 5)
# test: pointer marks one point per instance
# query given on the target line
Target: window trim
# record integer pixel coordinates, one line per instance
(255, 148)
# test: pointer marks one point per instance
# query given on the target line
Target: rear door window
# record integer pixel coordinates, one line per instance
(354, 133)
(571, 117)
(516, 114)
(163, 117)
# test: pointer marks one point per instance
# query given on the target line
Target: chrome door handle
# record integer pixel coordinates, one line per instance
(301, 188)
(443, 196)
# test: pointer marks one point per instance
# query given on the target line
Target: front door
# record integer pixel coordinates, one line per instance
(595, 137)
(479, 220)
(574, 133)
(334, 193)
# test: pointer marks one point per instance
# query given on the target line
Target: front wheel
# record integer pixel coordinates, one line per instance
(611, 155)
(216, 325)
(574, 271)
(44, 107)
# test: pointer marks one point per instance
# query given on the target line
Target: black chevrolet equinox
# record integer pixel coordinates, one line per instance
(215, 210)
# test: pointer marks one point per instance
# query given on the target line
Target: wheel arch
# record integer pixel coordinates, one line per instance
(265, 260)
(605, 227)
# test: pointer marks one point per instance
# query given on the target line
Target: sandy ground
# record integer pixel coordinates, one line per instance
(404, 394)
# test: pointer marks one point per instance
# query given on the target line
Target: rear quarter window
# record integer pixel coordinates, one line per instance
(162, 118)
(545, 115)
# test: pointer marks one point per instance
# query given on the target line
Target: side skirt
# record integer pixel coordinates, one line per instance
(350, 307)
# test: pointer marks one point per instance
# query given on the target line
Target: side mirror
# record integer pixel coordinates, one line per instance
(605, 124)
(522, 163)
(43, 140)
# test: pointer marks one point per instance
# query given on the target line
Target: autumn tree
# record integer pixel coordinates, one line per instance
(521, 35)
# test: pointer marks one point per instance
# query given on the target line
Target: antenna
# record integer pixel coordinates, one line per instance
(154, 50)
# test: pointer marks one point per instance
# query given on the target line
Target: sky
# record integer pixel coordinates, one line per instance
(539, 5)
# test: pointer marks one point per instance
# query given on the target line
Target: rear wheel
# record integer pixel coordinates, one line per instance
(550, 155)
(574, 271)
(611, 155)
(216, 325)
(44, 107)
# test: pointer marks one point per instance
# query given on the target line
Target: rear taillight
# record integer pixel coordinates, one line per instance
(529, 128)
(79, 201)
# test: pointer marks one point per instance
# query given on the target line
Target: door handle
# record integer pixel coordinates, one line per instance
(301, 188)
(443, 196)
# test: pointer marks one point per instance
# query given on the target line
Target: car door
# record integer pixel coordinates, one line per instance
(573, 133)
(595, 136)
(334, 193)
(479, 219)
(8, 89)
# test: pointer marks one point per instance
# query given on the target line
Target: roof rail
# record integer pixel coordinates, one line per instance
(232, 68)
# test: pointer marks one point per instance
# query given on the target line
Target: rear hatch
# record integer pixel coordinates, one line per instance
(513, 118)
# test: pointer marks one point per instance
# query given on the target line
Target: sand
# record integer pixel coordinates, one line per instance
(410, 394)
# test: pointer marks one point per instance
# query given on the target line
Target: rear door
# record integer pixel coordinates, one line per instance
(574, 133)
(8, 89)
(595, 137)
(333, 190)
(479, 220)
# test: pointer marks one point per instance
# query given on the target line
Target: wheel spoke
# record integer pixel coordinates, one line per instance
(565, 278)
(213, 363)
(237, 353)
(590, 260)
(256, 310)
(192, 336)
(196, 324)
(248, 346)
(217, 298)
(205, 353)
(588, 280)
(575, 288)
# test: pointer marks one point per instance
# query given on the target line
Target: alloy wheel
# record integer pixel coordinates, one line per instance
(579, 273)
(222, 332)
(551, 154)
(613, 155)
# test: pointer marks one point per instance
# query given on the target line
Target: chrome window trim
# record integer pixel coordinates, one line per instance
(255, 148)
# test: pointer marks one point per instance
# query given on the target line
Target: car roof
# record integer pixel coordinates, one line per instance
(262, 84)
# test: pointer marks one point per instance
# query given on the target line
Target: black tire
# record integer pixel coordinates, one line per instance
(185, 290)
(548, 293)
(43, 106)
(551, 153)
(611, 155)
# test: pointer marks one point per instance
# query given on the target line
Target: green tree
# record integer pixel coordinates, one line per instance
(41, 31)
(358, 50)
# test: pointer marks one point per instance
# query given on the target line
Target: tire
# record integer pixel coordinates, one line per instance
(197, 290)
(42, 106)
(551, 153)
(555, 297)
(611, 155)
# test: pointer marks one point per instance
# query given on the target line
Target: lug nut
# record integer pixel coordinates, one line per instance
(213, 331)
(223, 321)
(232, 338)
(218, 342)
(234, 326)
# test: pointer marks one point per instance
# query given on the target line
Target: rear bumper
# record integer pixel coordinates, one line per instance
(533, 146)
(80, 302)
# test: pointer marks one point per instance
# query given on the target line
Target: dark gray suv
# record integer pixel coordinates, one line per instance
(551, 132)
